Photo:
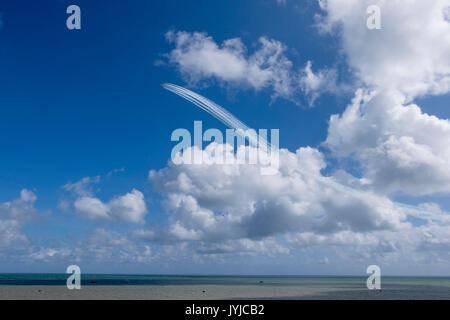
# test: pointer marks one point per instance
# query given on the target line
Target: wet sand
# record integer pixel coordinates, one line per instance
(218, 292)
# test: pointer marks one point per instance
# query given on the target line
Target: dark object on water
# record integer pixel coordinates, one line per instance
(203, 291)
(92, 281)
(39, 290)
(261, 281)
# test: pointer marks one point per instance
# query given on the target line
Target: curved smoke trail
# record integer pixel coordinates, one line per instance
(228, 119)
(209, 106)
(217, 112)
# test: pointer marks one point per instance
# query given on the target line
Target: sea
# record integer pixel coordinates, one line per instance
(267, 280)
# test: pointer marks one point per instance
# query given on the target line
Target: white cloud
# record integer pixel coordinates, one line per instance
(198, 57)
(425, 244)
(269, 246)
(409, 53)
(129, 207)
(92, 207)
(112, 246)
(13, 215)
(229, 210)
(101, 246)
(223, 202)
(401, 149)
(47, 254)
(315, 84)
(82, 187)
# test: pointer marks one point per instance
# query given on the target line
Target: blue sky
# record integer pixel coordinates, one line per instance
(89, 93)
(89, 104)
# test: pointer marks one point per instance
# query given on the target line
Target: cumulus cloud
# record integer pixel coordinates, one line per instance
(112, 246)
(400, 148)
(82, 187)
(198, 57)
(100, 246)
(229, 210)
(234, 201)
(13, 215)
(129, 207)
(410, 51)
(315, 84)
(245, 247)
(418, 245)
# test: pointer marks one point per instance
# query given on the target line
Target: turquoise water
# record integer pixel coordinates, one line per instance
(344, 282)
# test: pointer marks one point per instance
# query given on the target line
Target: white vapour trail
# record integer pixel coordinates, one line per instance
(217, 112)
(228, 119)
(209, 106)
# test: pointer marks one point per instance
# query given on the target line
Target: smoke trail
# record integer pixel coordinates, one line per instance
(228, 119)
(217, 112)
(209, 106)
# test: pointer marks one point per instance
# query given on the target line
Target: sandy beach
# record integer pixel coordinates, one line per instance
(216, 292)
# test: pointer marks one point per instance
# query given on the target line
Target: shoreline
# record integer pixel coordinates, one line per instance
(218, 292)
